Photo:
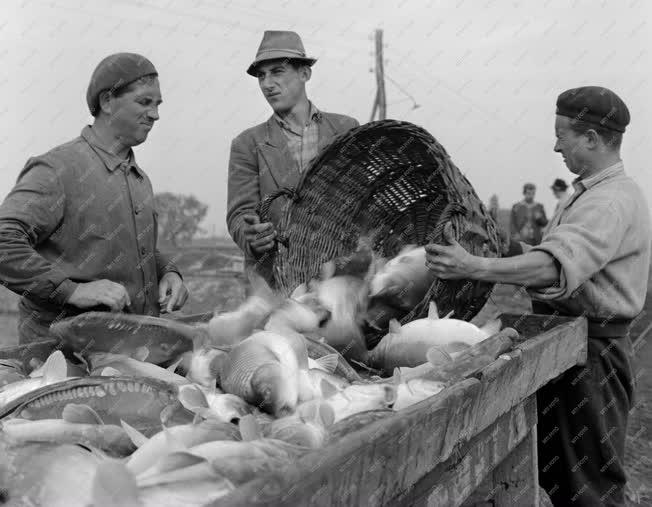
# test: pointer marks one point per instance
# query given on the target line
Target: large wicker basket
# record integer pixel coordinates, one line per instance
(392, 180)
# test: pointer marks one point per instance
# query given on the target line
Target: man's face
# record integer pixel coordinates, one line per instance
(133, 114)
(557, 193)
(282, 84)
(529, 194)
(570, 145)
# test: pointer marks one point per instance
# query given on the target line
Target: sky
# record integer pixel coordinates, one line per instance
(485, 75)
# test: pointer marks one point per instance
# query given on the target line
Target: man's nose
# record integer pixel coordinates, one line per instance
(152, 114)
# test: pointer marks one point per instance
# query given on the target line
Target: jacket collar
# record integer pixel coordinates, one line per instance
(591, 181)
(110, 160)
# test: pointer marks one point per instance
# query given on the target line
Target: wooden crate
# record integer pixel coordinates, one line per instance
(439, 451)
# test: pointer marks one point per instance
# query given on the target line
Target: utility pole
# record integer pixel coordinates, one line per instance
(380, 103)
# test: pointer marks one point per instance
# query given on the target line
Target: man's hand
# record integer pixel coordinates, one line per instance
(100, 292)
(171, 292)
(259, 236)
(449, 262)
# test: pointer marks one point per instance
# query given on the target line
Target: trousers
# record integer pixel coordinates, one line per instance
(582, 425)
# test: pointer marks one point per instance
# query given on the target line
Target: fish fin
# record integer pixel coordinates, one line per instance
(176, 460)
(326, 415)
(134, 435)
(327, 270)
(173, 367)
(327, 388)
(394, 326)
(299, 291)
(109, 371)
(249, 429)
(437, 356)
(492, 327)
(433, 313)
(192, 398)
(55, 368)
(80, 414)
(141, 353)
(328, 362)
(82, 360)
(114, 486)
(449, 315)
(396, 377)
(35, 363)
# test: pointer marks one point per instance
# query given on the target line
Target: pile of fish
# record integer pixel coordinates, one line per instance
(147, 411)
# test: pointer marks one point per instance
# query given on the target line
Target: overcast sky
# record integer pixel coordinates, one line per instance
(485, 75)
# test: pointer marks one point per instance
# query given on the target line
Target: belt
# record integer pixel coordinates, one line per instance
(597, 327)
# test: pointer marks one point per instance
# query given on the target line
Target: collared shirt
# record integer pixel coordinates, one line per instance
(601, 238)
(304, 144)
(76, 214)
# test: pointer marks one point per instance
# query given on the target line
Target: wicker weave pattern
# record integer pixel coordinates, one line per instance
(394, 181)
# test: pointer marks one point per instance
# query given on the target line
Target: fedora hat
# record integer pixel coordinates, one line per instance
(278, 44)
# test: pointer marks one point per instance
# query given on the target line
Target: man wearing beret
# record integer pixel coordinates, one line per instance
(78, 231)
(560, 191)
(593, 261)
(274, 154)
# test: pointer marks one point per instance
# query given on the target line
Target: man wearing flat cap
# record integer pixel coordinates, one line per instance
(78, 231)
(274, 154)
(560, 191)
(594, 262)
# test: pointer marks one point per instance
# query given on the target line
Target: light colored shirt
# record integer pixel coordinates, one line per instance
(560, 203)
(601, 239)
(304, 144)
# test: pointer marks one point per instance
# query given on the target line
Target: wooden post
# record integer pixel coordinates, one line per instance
(380, 77)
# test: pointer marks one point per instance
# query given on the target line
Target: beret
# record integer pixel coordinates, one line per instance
(596, 105)
(114, 72)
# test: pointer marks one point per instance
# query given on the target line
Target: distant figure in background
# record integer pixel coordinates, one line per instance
(494, 207)
(274, 154)
(528, 218)
(560, 191)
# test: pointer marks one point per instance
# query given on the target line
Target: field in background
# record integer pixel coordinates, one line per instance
(213, 276)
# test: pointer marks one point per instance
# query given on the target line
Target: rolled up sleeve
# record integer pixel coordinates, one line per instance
(31, 212)
(583, 244)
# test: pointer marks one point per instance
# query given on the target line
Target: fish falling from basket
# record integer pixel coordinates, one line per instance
(393, 184)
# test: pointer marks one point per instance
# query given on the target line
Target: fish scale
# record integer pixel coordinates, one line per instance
(244, 361)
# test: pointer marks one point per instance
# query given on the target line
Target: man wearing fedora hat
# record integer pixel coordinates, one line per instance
(78, 231)
(593, 262)
(274, 154)
(560, 191)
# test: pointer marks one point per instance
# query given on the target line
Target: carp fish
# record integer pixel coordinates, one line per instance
(124, 365)
(408, 345)
(125, 333)
(404, 280)
(140, 401)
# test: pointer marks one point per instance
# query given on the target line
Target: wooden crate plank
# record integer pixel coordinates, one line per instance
(531, 324)
(520, 373)
(451, 482)
(369, 466)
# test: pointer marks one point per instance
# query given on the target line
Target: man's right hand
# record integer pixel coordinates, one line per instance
(259, 236)
(100, 292)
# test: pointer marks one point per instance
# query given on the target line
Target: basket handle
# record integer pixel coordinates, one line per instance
(262, 209)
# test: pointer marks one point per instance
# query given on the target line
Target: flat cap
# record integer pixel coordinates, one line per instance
(559, 184)
(114, 72)
(596, 105)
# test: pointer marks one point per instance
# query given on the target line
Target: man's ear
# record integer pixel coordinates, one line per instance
(306, 73)
(592, 139)
(105, 102)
